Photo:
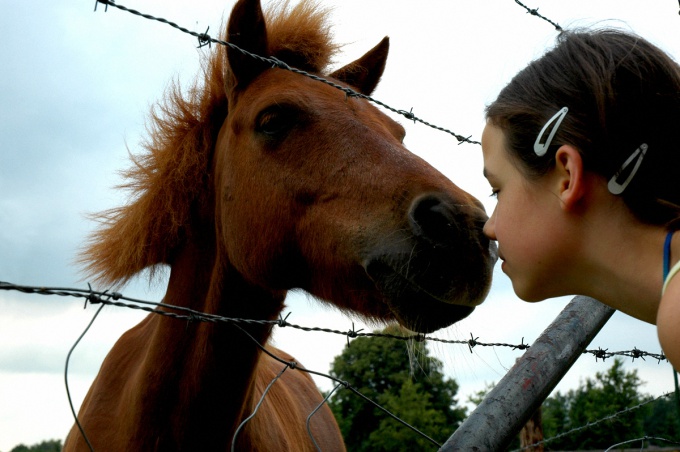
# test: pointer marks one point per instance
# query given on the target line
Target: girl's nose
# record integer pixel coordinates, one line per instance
(490, 227)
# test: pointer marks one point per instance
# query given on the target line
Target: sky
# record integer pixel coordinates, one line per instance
(76, 87)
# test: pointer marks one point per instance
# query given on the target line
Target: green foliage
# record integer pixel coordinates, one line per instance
(663, 420)
(416, 410)
(610, 392)
(403, 378)
(53, 445)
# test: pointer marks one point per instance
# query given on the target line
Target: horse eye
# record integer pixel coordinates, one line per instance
(275, 121)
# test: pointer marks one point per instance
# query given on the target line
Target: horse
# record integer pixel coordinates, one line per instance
(255, 181)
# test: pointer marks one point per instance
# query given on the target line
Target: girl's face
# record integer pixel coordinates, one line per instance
(527, 222)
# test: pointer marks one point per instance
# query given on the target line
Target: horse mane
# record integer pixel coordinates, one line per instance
(169, 181)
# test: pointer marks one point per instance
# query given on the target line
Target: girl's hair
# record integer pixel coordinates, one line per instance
(621, 91)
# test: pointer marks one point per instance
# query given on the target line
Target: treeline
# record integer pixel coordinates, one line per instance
(609, 392)
(402, 377)
(53, 445)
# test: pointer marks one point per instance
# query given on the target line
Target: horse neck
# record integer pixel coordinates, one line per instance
(200, 374)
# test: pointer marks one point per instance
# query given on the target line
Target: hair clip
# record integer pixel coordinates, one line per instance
(616, 188)
(541, 149)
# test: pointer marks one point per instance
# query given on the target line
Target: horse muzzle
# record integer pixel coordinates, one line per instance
(434, 272)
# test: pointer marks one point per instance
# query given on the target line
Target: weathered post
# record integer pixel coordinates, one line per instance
(508, 406)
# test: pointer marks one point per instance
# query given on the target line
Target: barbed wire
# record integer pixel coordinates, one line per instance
(205, 39)
(105, 298)
(114, 299)
(534, 12)
(596, 422)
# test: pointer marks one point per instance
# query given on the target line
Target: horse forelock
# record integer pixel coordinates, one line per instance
(168, 179)
(300, 35)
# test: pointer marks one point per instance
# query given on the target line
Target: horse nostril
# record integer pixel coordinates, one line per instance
(434, 219)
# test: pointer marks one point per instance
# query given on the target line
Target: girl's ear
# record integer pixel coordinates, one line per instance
(571, 179)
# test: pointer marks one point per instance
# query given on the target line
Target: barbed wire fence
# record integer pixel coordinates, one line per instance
(205, 39)
(119, 300)
(116, 299)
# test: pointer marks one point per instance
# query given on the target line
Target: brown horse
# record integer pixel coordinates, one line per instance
(257, 181)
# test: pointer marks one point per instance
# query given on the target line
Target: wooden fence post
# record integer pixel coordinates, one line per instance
(508, 406)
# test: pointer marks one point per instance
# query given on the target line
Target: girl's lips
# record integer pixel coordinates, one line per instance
(502, 259)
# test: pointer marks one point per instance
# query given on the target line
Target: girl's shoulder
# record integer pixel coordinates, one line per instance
(672, 272)
(668, 318)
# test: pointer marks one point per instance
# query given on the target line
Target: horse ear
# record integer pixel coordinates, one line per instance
(247, 30)
(364, 73)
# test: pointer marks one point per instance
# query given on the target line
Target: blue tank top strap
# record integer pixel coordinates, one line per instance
(667, 254)
(668, 273)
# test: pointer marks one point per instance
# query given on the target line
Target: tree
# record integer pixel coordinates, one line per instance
(45, 446)
(555, 417)
(610, 392)
(404, 379)
(663, 420)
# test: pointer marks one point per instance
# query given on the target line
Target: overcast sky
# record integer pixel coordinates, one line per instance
(75, 90)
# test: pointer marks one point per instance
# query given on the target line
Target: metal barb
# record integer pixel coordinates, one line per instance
(472, 342)
(204, 39)
(282, 322)
(105, 2)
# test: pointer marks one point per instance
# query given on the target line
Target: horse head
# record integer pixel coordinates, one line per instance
(314, 189)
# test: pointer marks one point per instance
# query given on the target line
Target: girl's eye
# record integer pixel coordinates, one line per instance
(494, 193)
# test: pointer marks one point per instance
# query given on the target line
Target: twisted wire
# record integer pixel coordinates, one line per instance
(534, 12)
(68, 391)
(257, 407)
(113, 298)
(205, 39)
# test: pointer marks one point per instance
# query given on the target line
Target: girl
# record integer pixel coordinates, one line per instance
(582, 149)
